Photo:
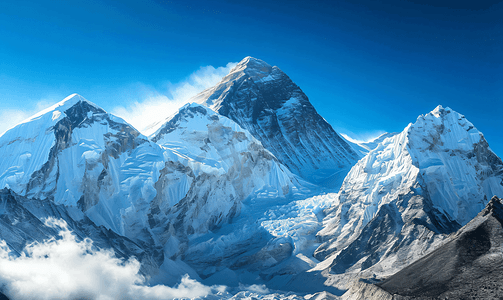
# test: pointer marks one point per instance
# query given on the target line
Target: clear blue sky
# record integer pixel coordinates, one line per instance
(367, 66)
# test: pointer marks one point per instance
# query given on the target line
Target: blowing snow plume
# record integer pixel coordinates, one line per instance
(69, 269)
(155, 105)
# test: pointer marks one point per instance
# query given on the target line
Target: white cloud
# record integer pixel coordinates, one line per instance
(255, 288)
(69, 269)
(155, 106)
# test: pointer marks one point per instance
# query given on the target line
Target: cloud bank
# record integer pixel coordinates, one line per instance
(69, 269)
(155, 106)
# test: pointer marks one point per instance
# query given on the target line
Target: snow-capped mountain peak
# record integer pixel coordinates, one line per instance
(266, 102)
(440, 110)
(431, 179)
(252, 67)
(454, 128)
(251, 63)
(60, 107)
(36, 151)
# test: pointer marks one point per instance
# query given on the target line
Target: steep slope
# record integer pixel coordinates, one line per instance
(365, 147)
(77, 162)
(469, 265)
(76, 154)
(264, 100)
(397, 202)
(227, 165)
(74, 138)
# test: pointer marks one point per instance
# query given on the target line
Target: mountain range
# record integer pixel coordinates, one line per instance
(248, 187)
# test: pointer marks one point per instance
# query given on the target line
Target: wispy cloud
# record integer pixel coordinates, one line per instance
(69, 269)
(156, 106)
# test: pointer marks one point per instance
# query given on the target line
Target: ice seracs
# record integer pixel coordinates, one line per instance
(227, 165)
(265, 101)
(398, 200)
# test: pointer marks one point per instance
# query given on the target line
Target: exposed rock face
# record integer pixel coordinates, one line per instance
(264, 100)
(399, 201)
(64, 152)
(363, 290)
(227, 165)
(468, 266)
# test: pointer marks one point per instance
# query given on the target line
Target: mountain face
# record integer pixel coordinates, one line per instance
(469, 265)
(77, 155)
(71, 141)
(76, 162)
(227, 164)
(264, 100)
(399, 201)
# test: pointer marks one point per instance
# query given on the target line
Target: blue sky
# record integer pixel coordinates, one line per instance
(367, 66)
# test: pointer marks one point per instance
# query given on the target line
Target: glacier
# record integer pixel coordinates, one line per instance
(162, 194)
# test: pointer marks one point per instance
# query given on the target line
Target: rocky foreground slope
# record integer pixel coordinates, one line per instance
(468, 266)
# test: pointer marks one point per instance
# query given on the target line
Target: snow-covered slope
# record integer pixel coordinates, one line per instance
(78, 155)
(365, 147)
(79, 158)
(219, 145)
(264, 100)
(63, 149)
(227, 164)
(397, 201)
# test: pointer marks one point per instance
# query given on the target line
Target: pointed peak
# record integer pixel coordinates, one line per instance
(443, 114)
(62, 106)
(74, 99)
(192, 108)
(440, 110)
(184, 114)
(252, 65)
(253, 62)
